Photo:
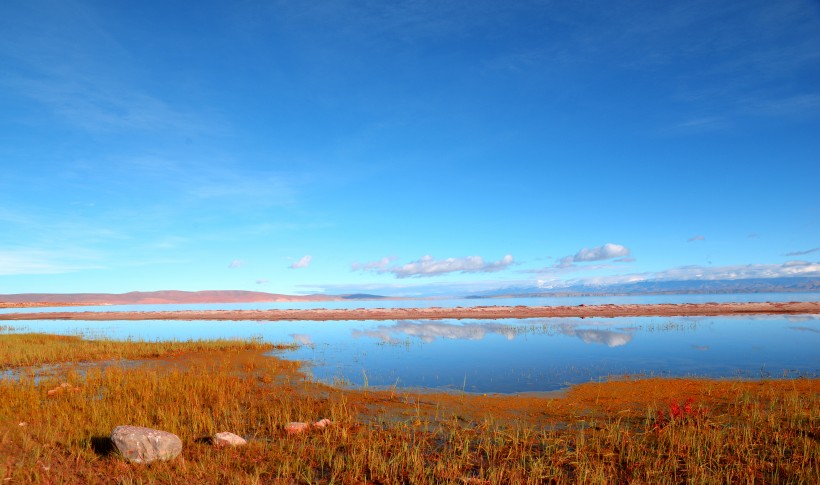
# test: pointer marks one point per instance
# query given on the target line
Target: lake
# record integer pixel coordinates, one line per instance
(511, 355)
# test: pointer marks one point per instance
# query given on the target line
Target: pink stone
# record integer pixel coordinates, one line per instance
(228, 439)
(62, 387)
(296, 428)
(322, 423)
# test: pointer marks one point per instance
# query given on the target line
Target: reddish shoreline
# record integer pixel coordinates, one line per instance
(481, 312)
(36, 304)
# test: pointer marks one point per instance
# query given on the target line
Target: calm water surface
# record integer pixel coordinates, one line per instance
(513, 355)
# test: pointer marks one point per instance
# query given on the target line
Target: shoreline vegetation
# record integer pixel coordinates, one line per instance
(35, 349)
(478, 312)
(36, 304)
(54, 428)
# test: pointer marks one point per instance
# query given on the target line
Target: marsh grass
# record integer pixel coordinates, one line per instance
(640, 431)
(30, 349)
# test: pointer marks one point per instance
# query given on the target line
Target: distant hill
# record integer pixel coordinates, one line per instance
(161, 297)
(363, 296)
(756, 285)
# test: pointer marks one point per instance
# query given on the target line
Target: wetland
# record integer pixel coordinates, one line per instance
(660, 399)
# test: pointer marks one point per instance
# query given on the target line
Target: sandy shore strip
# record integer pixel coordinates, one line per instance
(37, 304)
(479, 312)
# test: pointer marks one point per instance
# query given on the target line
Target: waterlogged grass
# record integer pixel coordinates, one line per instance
(641, 431)
(31, 349)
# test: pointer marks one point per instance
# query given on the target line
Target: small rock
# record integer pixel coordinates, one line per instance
(322, 423)
(228, 439)
(64, 387)
(296, 428)
(144, 445)
(22, 423)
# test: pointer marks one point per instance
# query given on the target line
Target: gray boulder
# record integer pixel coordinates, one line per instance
(144, 445)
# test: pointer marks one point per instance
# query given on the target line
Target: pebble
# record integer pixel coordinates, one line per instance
(296, 428)
(228, 439)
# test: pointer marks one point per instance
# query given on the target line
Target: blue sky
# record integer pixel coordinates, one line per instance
(405, 147)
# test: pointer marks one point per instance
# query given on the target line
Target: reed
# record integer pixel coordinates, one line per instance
(30, 349)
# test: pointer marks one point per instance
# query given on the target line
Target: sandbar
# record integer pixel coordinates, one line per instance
(477, 312)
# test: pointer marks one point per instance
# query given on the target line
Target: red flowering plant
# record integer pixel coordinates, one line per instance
(683, 413)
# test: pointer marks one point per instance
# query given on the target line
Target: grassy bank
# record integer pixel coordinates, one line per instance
(28, 349)
(643, 431)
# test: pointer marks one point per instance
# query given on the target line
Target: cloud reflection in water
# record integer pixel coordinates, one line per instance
(430, 331)
(301, 338)
(611, 339)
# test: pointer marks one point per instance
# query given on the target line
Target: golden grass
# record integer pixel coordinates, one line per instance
(638, 431)
(29, 349)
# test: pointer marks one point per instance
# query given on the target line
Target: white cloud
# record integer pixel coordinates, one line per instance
(699, 125)
(600, 253)
(789, 268)
(797, 105)
(169, 242)
(709, 273)
(429, 266)
(696, 238)
(373, 265)
(98, 106)
(32, 261)
(565, 266)
(76, 68)
(408, 288)
(554, 278)
(256, 187)
(303, 262)
(801, 253)
(235, 263)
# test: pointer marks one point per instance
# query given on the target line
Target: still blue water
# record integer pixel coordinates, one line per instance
(446, 303)
(512, 355)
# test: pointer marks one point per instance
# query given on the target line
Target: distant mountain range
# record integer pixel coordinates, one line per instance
(161, 297)
(363, 296)
(656, 287)
(758, 285)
